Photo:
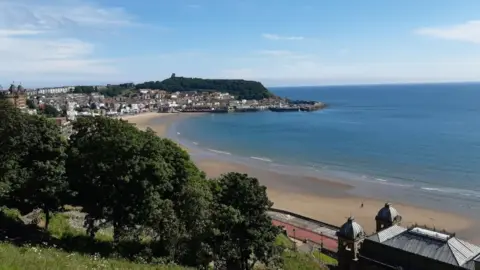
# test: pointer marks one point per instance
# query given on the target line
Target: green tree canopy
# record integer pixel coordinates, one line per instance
(240, 89)
(32, 171)
(115, 172)
(84, 89)
(50, 111)
(31, 104)
(243, 232)
(132, 178)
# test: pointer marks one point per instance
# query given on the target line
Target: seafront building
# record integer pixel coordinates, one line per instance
(397, 247)
(50, 90)
(16, 95)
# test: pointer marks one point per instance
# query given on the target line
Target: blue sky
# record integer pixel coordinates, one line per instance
(302, 42)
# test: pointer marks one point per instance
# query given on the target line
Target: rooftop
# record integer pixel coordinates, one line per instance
(429, 243)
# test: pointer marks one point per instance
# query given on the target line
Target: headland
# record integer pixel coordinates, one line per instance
(324, 199)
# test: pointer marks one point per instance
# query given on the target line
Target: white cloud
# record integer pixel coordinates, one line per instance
(55, 14)
(278, 37)
(20, 32)
(39, 41)
(467, 32)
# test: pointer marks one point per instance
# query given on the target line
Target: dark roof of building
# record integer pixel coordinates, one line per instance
(427, 243)
(388, 213)
(351, 230)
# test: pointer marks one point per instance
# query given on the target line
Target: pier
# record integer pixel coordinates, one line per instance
(245, 109)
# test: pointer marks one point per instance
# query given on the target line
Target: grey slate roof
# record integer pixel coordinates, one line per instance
(452, 251)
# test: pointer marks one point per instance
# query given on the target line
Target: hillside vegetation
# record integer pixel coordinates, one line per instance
(66, 247)
(241, 89)
(38, 258)
(141, 197)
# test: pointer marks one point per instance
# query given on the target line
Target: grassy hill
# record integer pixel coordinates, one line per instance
(241, 89)
(38, 258)
(28, 247)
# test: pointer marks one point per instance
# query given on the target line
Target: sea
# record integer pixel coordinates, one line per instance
(415, 143)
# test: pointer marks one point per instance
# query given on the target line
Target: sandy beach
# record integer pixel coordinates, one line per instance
(322, 199)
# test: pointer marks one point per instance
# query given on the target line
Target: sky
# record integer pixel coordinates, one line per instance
(278, 42)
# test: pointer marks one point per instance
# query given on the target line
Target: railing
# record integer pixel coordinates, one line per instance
(321, 223)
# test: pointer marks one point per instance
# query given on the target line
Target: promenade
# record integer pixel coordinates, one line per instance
(301, 228)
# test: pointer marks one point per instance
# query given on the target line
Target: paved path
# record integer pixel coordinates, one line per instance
(309, 225)
(302, 234)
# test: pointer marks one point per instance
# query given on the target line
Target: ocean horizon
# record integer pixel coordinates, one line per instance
(414, 142)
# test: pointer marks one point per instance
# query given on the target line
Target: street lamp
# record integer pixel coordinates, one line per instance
(321, 241)
(294, 240)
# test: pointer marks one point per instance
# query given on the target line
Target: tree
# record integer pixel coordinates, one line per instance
(84, 89)
(33, 155)
(12, 129)
(31, 104)
(118, 174)
(50, 111)
(243, 232)
(140, 183)
(240, 89)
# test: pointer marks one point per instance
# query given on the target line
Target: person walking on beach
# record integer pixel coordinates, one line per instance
(361, 205)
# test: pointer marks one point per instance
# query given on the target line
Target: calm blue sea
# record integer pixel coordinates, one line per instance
(423, 137)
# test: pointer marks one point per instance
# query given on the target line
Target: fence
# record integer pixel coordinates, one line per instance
(321, 223)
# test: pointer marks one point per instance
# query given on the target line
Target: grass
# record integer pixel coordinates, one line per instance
(293, 260)
(30, 258)
(299, 261)
(325, 258)
(65, 247)
(283, 241)
(59, 227)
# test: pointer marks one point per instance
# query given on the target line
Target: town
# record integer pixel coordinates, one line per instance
(69, 102)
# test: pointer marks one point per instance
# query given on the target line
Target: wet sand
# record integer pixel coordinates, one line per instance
(323, 199)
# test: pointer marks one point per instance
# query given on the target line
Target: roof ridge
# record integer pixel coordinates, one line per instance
(454, 252)
(458, 251)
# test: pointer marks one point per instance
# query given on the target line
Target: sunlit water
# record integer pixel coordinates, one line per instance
(414, 142)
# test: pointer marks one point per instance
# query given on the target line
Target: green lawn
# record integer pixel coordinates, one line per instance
(51, 257)
(33, 258)
(296, 260)
(325, 258)
(283, 241)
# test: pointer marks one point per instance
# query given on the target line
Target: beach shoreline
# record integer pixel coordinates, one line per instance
(328, 200)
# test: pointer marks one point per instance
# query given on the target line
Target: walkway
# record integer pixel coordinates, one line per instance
(305, 223)
(302, 234)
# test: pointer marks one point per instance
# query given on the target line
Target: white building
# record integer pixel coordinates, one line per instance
(52, 90)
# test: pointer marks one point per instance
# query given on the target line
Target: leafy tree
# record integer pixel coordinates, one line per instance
(192, 198)
(116, 172)
(84, 89)
(139, 182)
(31, 104)
(117, 90)
(12, 140)
(32, 172)
(243, 232)
(50, 111)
